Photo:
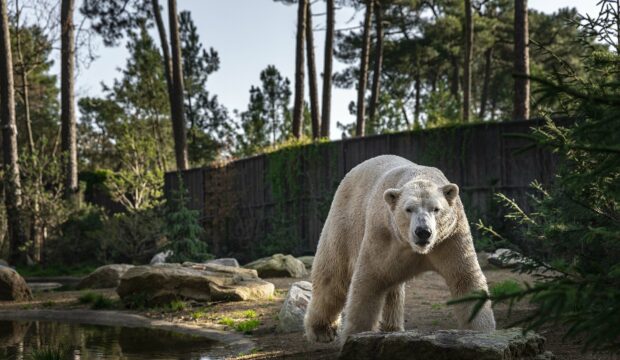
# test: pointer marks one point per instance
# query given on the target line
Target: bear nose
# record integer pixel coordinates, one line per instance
(423, 234)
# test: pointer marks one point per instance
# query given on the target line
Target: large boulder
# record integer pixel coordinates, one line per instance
(483, 260)
(506, 258)
(199, 282)
(12, 286)
(307, 260)
(291, 316)
(224, 261)
(4, 263)
(507, 344)
(106, 276)
(278, 265)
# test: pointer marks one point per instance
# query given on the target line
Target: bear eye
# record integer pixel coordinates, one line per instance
(436, 210)
(409, 210)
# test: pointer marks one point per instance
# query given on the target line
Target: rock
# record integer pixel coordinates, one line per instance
(200, 282)
(224, 261)
(506, 258)
(445, 345)
(278, 265)
(307, 260)
(12, 333)
(12, 286)
(160, 258)
(4, 263)
(483, 260)
(106, 276)
(291, 316)
(44, 286)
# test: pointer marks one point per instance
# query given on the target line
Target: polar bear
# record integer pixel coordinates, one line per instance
(390, 220)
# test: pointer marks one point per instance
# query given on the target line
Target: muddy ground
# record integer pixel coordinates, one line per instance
(425, 309)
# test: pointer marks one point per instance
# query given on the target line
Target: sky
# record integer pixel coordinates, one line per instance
(249, 35)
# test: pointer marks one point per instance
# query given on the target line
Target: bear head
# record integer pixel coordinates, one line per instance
(423, 213)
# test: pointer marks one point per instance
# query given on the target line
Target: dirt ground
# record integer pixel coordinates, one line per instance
(425, 309)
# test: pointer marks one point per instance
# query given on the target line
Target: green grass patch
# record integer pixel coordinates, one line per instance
(49, 353)
(249, 314)
(96, 301)
(199, 314)
(247, 326)
(48, 304)
(505, 287)
(55, 270)
(436, 306)
(176, 305)
(228, 321)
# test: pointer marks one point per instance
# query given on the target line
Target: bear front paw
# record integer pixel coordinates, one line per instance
(322, 333)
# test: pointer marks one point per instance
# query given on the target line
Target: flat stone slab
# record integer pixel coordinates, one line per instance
(106, 276)
(506, 344)
(278, 265)
(43, 286)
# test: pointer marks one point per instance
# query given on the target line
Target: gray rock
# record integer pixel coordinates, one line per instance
(291, 316)
(506, 258)
(483, 260)
(507, 344)
(160, 258)
(106, 276)
(200, 282)
(12, 286)
(278, 265)
(4, 263)
(43, 286)
(307, 260)
(224, 261)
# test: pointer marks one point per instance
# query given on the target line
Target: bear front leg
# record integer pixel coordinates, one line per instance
(393, 315)
(363, 307)
(457, 262)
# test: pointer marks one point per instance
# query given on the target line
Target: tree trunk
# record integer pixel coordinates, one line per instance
(488, 61)
(67, 96)
(327, 68)
(177, 106)
(521, 109)
(418, 86)
(24, 75)
(165, 49)
(298, 102)
(12, 185)
(376, 77)
(454, 86)
(363, 76)
(469, 45)
(314, 91)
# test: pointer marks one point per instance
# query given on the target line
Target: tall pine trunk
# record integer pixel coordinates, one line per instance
(418, 90)
(467, 67)
(314, 91)
(67, 96)
(298, 101)
(177, 106)
(330, 23)
(165, 49)
(376, 77)
(10, 157)
(454, 79)
(521, 109)
(363, 75)
(484, 97)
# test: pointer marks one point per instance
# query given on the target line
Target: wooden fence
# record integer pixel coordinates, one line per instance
(277, 202)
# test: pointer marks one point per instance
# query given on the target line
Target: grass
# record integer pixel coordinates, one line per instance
(49, 353)
(96, 301)
(55, 270)
(436, 306)
(177, 305)
(246, 326)
(505, 287)
(48, 304)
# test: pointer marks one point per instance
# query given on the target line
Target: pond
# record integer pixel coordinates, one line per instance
(20, 339)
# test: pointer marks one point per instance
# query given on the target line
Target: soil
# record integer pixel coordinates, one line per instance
(425, 309)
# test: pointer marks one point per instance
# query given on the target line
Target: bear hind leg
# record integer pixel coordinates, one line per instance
(393, 314)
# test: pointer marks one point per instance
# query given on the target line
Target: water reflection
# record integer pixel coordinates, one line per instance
(85, 342)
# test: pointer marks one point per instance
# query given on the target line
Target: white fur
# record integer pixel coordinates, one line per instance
(368, 249)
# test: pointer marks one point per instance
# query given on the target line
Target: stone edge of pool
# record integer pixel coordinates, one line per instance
(237, 343)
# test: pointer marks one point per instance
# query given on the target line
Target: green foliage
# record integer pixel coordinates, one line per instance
(176, 305)
(249, 314)
(247, 326)
(571, 233)
(185, 235)
(96, 301)
(88, 297)
(136, 301)
(51, 353)
(228, 321)
(133, 237)
(505, 288)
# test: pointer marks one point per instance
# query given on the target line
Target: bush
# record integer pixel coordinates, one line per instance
(574, 226)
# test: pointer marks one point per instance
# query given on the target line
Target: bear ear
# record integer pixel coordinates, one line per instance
(391, 197)
(450, 191)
